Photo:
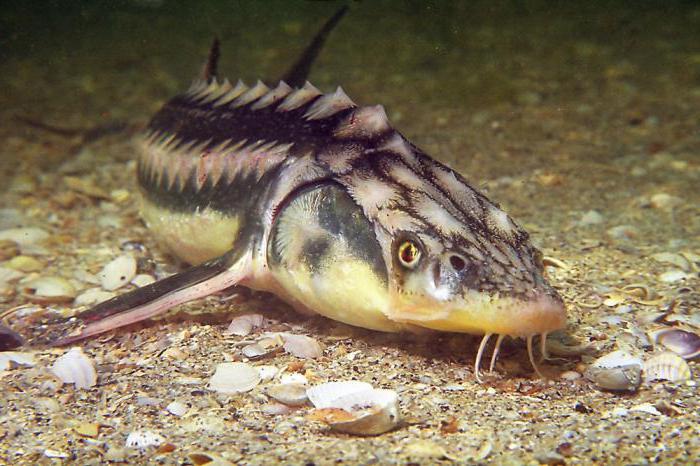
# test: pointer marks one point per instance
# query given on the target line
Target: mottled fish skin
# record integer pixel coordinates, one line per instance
(240, 151)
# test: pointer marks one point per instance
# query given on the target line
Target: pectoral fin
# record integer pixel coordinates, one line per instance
(149, 301)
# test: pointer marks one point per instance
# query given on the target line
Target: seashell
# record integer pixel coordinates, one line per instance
(142, 279)
(666, 366)
(118, 272)
(24, 264)
(323, 396)
(177, 408)
(673, 276)
(683, 343)
(234, 377)
(616, 371)
(290, 394)
(302, 346)
(24, 236)
(267, 373)
(143, 439)
(294, 377)
(257, 351)
(622, 378)
(50, 289)
(244, 324)
(373, 412)
(75, 367)
(93, 296)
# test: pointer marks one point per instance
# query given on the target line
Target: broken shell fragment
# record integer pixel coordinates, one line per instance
(75, 367)
(118, 272)
(302, 346)
(683, 343)
(234, 377)
(290, 394)
(616, 371)
(666, 366)
(355, 407)
(143, 439)
(373, 412)
(244, 324)
(323, 396)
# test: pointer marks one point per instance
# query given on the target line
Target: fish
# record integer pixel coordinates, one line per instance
(323, 203)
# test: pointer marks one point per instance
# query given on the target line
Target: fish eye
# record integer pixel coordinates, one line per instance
(409, 253)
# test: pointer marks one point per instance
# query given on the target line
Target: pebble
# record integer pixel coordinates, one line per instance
(118, 272)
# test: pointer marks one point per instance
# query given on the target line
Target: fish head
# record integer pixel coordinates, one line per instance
(455, 260)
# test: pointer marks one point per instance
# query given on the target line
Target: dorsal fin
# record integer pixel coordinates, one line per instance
(297, 75)
(210, 68)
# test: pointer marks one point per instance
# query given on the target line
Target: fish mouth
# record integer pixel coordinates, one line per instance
(492, 315)
(479, 313)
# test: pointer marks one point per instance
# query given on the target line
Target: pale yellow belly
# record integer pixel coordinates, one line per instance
(191, 237)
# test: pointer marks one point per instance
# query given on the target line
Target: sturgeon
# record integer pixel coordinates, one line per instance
(325, 204)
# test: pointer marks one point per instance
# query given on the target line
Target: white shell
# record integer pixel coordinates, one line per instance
(51, 287)
(118, 272)
(143, 279)
(75, 367)
(177, 408)
(666, 366)
(323, 396)
(143, 439)
(290, 394)
(244, 324)
(267, 373)
(234, 377)
(375, 411)
(616, 359)
(93, 296)
(294, 377)
(24, 236)
(302, 346)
